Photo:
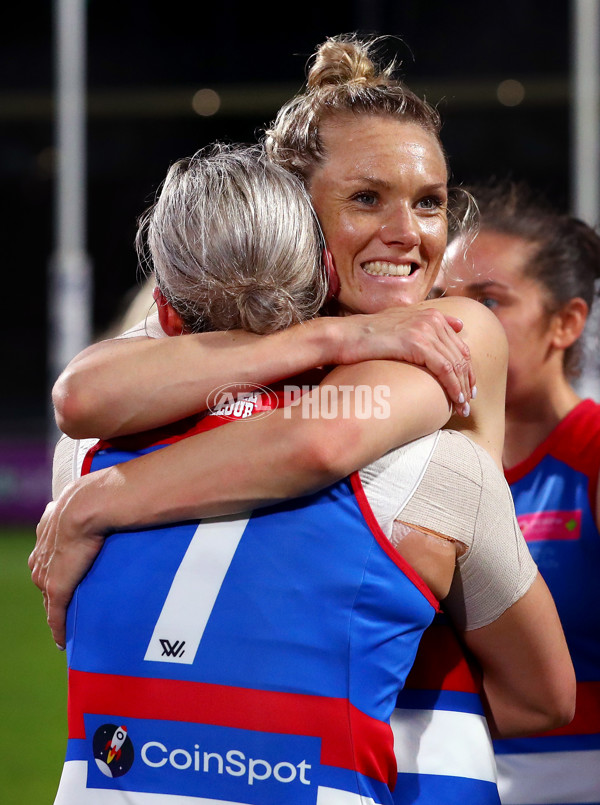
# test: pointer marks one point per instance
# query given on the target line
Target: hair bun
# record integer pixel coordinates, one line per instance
(343, 60)
(264, 307)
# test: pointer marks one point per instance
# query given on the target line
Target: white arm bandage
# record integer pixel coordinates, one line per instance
(460, 494)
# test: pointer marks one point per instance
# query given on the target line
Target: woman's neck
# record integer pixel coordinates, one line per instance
(531, 421)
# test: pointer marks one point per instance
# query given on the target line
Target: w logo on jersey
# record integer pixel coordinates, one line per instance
(194, 590)
(175, 649)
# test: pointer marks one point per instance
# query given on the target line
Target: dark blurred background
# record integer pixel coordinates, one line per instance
(500, 73)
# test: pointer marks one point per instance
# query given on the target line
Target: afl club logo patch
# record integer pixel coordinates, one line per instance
(246, 401)
(113, 750)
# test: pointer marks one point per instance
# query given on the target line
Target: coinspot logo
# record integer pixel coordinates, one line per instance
(113, 750)
(233, 401)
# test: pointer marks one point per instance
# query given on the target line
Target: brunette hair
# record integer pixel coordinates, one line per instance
(566, 256)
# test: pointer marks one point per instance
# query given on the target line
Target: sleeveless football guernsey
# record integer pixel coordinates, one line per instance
(443, 745)
(248, 659)
(554, 492)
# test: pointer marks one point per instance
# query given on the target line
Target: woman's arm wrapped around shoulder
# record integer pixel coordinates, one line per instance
(128, 385)
(228, 470)
(242, 465)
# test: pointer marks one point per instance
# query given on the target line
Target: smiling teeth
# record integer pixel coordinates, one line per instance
(383, 269)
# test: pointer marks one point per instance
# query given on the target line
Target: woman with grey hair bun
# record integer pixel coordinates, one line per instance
(263, 583)
(220, 256)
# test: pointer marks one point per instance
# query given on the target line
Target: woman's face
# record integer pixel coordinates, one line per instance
(381, 197)
(493, 272)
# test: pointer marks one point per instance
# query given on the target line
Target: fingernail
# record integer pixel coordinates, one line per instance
(461, 398)
(59, 647)
(466, 409)
(474, 392)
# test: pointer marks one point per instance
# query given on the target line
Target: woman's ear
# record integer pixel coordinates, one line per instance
(569, 322)
(332, 275)
(169, 318)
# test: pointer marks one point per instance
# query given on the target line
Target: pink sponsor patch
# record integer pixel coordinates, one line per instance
(551, 525)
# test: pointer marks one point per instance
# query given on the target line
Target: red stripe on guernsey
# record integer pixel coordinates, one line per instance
(587, 712)
(569, 442)
(371, 521)
(175, 432)
(365, 747)
(441, 663)
(86, 465)
(170, 434)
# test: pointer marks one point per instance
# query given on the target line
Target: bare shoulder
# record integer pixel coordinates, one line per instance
(477, 317)
(487, 342)
(482, 330)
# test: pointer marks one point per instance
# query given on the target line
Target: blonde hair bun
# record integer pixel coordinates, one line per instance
(346, 60)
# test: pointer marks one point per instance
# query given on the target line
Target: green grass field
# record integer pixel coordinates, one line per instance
(33, 683)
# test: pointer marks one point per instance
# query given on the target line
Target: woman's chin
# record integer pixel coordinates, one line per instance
(378, 293)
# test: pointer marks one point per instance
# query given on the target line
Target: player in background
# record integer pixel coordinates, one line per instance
(538, 271)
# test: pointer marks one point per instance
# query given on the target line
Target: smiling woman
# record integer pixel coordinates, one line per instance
(381, 197)
(369, 151)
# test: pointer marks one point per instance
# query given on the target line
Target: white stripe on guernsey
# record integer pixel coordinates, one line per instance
(443, 742)
(72, 791)
(194, 590)
(333, 796)
(539, 778)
